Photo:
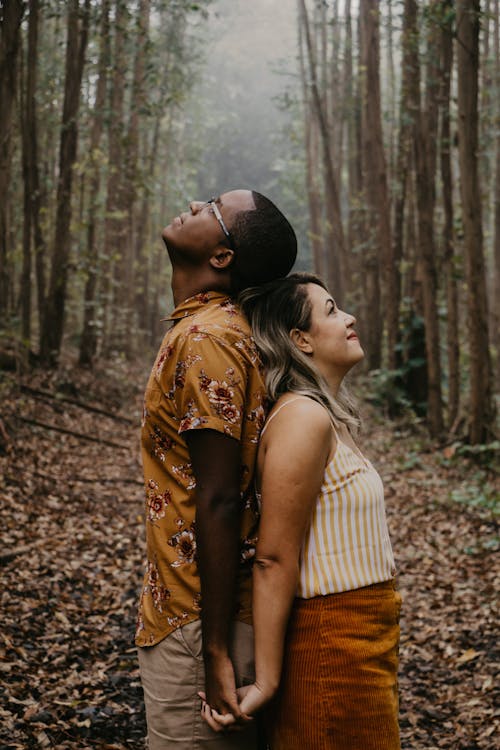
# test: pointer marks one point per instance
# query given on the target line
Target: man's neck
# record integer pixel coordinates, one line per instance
(186, 284)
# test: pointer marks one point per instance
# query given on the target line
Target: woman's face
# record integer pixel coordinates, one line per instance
(334, 344)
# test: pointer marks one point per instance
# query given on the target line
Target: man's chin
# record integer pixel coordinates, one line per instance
(165, 234)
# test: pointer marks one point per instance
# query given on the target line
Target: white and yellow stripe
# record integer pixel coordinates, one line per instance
(347, 543)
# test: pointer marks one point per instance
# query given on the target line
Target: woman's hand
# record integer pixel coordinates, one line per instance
(222, 722)
(251, 698)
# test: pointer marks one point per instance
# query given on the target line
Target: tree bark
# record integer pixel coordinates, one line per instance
(407, 113)
(452, 338)
(53, 323)
(114, 232)
(353, 98)
(88, 341)
(34, 179)
(375, 189)
(496, 296)
(10, 22)
(337, 250)
(25, 288)
(125, 306)
(425, 138)
(311, 138)
(481, 407)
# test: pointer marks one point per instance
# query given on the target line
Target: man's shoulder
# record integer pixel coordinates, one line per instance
(223, 321)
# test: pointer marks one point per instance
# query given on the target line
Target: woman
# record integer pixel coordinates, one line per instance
(324, 564)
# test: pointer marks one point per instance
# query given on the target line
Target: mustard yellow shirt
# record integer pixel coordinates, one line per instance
(207, 375)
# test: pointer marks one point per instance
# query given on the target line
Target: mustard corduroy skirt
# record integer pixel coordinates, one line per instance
(339, 684)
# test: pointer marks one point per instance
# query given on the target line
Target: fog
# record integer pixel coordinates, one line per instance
(250, 60)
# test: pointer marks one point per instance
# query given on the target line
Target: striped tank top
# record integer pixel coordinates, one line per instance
(346, 545)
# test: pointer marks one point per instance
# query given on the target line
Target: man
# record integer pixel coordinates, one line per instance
(203, 412)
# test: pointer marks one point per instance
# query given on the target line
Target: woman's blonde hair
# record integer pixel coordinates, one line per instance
(274, 310)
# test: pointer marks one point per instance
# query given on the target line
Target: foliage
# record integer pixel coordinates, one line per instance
(72, 564)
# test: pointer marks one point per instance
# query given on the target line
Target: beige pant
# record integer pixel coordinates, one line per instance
(172, 672)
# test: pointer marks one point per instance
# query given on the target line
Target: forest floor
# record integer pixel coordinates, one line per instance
(72, 556)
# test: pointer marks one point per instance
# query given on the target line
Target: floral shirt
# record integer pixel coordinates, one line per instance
(207, 375)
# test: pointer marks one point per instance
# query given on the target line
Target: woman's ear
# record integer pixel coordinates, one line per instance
(301, 340)
(222, 258)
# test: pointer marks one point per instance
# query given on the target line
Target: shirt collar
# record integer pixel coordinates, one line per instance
(192, 305)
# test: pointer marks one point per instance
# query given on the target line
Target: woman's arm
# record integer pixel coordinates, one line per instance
(296, 447)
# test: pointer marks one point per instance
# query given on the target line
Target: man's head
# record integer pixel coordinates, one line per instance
(240, 239)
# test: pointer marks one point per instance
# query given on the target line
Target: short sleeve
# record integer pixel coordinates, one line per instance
(209, 385)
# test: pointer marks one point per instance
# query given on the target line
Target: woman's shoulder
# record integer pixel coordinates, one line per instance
(297, 429)
(299, 410)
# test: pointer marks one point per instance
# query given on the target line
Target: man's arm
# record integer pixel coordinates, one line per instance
(216, 466)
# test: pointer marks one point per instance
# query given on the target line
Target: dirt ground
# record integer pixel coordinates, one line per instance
(72, 557)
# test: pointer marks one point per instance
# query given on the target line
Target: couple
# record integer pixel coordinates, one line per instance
(323, 608)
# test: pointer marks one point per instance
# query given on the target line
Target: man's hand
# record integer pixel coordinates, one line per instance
(221, 686)
(251, 697)
(217, 467)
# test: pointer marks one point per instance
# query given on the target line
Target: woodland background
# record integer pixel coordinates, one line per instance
(375, 126)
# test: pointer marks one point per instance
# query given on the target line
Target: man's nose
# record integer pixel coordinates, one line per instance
(195, 206)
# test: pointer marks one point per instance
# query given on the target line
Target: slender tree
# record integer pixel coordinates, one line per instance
(53, 322)
(115, 225)
(445, 144)
(311, 136)
(481, 408)
(337, 250)
(375, 189)
(25, 290)
(88, 340)
(425, 139)
(11, 14)
(404, 161)
(496, 296)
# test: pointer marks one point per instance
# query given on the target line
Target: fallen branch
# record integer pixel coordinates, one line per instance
(14, 552)
(75, 402)
(4, 436)
(90, 480)
(79, 435)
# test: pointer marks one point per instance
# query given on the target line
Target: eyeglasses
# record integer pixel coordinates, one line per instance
(218, 216)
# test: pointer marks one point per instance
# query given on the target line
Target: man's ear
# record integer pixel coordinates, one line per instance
(301, 340)
(222, 258)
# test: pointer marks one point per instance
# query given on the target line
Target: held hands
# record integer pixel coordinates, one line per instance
(251, 699)
(221, 686)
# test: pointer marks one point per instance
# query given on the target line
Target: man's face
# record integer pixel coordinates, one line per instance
(196, 233)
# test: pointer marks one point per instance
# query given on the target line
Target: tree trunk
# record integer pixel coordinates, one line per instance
(337, 250)
(10, 22)
(88, 341)
(25, 287)
(392, 106)
(452, 339)
(481, 408)
(125, 307)
(375, 189)
(75, 56)
(34, 178)
(345, 142)
(408, 99)
(486, 114)
(353, 99)
(425, 137)
(114, 239)
(337, 104)
(313, 167)
(496, 296)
